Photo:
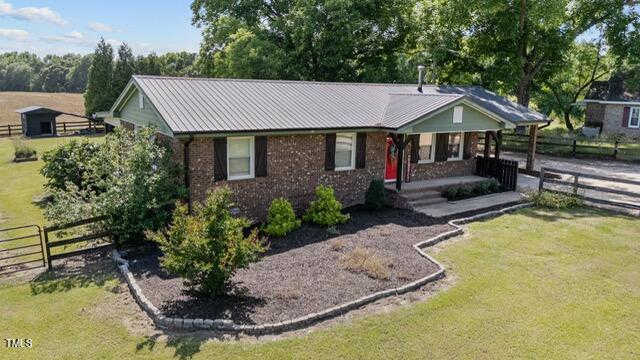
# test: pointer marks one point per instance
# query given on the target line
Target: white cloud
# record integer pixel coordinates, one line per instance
(100, 27)
(74, 37)
(14, 34)
(31, 13)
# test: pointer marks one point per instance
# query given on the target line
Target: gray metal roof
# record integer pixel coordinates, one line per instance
(38, 109)
(199, 105)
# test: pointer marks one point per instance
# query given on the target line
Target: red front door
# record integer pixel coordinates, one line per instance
(391, 169)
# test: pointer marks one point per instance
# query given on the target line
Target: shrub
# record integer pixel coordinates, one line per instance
(281, 219)
(208, 247)
(22, 150)
(69, 163)
(365, 261)
(374, 198)
(325, 209)
(134, 183)
(555, 200)
(465, 191)
(337, 244)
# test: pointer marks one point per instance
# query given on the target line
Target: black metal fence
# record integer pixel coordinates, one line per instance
(71, 246)
(505, 171)
(23, 251)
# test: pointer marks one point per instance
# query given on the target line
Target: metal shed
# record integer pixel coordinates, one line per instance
(38, 121)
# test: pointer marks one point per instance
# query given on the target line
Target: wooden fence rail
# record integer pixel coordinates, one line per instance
(61, 127)
(75, 240)
(575, 185)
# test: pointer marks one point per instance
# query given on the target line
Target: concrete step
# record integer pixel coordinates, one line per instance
(420, 195)
(426, 202)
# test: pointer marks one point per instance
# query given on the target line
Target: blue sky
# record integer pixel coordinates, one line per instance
(63, 26)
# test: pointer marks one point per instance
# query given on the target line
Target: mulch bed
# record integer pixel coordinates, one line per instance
(301, 273)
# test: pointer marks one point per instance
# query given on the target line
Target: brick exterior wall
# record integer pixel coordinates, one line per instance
(295, 166)
(594, 114)
(445, 168)
(612, 122)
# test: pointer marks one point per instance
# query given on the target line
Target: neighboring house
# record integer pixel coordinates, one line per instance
(612, 110)
(269, 139)
(38, 121)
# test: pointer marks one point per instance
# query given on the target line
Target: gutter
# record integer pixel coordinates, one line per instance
(187, 171)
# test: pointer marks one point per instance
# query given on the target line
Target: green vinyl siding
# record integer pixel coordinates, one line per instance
(472, 120)
(146, 116)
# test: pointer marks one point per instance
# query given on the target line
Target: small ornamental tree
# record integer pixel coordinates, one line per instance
(325, 209)
(208, 247)
(374, 198)
(281, 219)
(69, 163)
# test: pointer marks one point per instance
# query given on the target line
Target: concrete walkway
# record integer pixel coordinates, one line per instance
(473, 204)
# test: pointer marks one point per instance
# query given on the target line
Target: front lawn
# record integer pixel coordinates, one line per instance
(534, 284)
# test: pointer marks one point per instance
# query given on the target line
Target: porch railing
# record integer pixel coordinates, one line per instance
(505, 171)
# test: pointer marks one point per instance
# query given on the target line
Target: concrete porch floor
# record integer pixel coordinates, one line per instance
(438, 184)
(474, 204)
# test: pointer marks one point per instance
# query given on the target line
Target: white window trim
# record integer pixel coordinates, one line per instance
(353, 152)
(461, 152)
(252, 159)
(637, 126)
(432, 158)
(140, 100)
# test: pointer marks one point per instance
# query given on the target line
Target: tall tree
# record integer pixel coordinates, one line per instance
(515, 45)
(124, 69)
(79, 75)
(55, 77)
(316, 40)
(98, 96)
(584, 64)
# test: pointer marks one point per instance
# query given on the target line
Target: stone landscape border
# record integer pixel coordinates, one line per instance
(304, 321)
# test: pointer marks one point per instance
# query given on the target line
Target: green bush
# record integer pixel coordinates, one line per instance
(69, 163)
(281, 219)
(208, 247)
(478, 189)
(134, 184)
(375, 198)
(555, 200)
(325, 209)
(22, 150)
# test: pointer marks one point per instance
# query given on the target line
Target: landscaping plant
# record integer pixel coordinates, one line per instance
(22, 150)
(208, 247)
(134, 183)
(374, 198)
(325, 208)
(555, 200)
(281, 219)
(69, 163)
(484, 187)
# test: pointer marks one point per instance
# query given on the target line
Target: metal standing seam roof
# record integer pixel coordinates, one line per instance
(35, 108)
(204, 105)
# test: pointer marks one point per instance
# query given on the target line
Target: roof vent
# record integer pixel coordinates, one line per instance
(420, 77)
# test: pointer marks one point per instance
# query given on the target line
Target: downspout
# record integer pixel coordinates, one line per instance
(544, 126)
(187, 171)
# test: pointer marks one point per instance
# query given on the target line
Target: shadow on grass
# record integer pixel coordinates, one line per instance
(185, 347)
(78, 272)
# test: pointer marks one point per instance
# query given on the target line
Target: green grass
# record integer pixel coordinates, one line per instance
(534, 284)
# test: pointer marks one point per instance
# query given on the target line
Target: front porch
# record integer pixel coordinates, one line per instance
(417, 194)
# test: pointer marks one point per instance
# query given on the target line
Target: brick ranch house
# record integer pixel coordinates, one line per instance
(268, 139)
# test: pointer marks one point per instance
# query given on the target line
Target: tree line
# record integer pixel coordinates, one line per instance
(52, 73)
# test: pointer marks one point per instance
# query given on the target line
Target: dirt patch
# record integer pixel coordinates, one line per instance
(303, 272)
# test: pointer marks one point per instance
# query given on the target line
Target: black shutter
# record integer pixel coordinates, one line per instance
(330, 152)
(466, 154)
(220, 159)
(442, 147)
(415, 148)
(361, 150)
(261, 156)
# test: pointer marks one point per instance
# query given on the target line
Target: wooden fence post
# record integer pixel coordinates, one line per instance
(575, 184)
(9, 126)
(573, 149)
(46, 245)
(541, 184)
(615, 150)
(64, 127)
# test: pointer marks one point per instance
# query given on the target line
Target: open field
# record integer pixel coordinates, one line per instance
(12, 100)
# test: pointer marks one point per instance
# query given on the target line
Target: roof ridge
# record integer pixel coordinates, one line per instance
(296, 81)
